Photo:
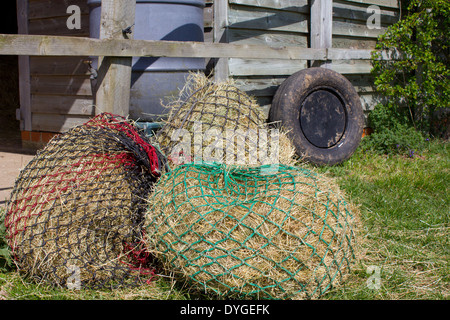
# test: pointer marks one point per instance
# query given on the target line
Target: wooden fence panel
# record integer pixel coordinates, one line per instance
(272, 38)
(270, 23)
(284, 23)
(61, 95)
(353, 31)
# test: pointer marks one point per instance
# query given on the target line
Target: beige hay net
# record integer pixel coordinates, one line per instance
(217, 122)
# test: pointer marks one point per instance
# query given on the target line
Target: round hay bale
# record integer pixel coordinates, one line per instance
(209, 116)
(246, 233)
(76, 211)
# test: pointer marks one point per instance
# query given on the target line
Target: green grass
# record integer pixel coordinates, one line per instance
(404, 204)
(404, 211)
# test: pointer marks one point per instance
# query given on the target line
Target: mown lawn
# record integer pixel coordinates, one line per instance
(404, 208)
(405, 212)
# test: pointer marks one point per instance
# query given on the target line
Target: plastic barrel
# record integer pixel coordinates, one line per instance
(154, 81)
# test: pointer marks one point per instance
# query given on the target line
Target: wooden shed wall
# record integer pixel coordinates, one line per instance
(287, 23)
(60, 94)
(350, 31)
(60, 90)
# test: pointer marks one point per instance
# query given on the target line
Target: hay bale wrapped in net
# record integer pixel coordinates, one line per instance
(76, 210)
(209, 116)
(242, 233)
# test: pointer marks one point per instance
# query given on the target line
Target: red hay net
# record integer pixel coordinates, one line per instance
(80, 204)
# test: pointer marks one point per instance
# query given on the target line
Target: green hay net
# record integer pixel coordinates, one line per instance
(268, 232)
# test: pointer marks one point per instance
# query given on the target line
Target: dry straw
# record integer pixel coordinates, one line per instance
(222, 116)
(76, 209)
(248, 233)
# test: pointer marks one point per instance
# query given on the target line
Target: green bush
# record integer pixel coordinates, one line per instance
(418, 76)
(416, 81)
(393, 133)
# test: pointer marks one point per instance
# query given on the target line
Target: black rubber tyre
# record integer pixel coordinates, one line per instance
(322, 113)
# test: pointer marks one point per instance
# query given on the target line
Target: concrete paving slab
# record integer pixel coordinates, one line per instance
(10, 166)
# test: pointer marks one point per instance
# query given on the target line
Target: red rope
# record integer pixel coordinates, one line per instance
(140, 260)
(119, 123)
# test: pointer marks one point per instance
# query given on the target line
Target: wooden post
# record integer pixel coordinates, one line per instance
(221, 35)
(24, 70)
(321, 27)
(114, 73)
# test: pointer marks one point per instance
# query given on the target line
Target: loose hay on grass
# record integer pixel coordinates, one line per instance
(242, 232)
(76, 210)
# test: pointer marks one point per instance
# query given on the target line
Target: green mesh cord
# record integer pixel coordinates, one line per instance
(241, 232)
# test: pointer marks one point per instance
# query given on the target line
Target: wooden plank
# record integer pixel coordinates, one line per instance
(359, 13)
(114, 73)
(264, 92)
(381, 3)
(208, 17)
(57, 27)
(59, 65)
(56, 122)
(363, 83)
(345, 54)
(208, 35)
(349, 43)
(64, 105)
(370, 100)
(50, 9)
(208, 22)
(321, 27)
(24, 70)
(61, 85)
(75, 46)
(267, 38)
(220, 30)
(268, 85)
(285, 5)
(259, 86)
(351, 66)
(355, 29)
(249, 67)
(265, 19)
(321, 23)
